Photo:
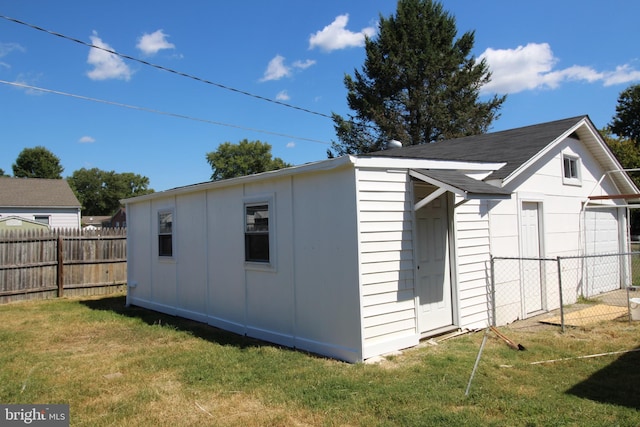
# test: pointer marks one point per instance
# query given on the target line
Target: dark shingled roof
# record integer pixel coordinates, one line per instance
(36, 192)
(514, 146)
(473, 187)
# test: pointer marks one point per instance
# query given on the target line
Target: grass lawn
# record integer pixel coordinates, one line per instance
(635, 264)
(118, 366)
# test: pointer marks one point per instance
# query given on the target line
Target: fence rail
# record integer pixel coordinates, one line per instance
(37, 264)
(572, 290)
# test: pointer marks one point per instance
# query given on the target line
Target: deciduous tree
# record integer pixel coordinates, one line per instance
(626, 122)
(628, 154)
(100, 191)
(37, 162)
(245, 158)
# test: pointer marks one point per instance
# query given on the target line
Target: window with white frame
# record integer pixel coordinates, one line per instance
(571, 170)
(165, 234)
(256, 232)
(43, 219)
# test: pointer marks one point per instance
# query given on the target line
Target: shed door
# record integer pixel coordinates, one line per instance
(602, 237)
(434, 283)
(532, 283)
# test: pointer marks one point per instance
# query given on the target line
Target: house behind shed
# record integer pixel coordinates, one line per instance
(47, 201)
(358, 256)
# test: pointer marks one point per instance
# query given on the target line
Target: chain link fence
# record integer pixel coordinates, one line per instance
(566, 291)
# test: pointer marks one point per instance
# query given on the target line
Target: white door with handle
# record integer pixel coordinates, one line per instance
(532, 274)
(433, 272)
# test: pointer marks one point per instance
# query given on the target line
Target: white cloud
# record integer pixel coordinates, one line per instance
(282, 96)
(29, 79)
(276, 69)
(6, 49)
(623, 74)
(291, 144)
(106, 65)
(515, 70)
(336, 36)
(150, 44)
(303, 65)
(531, 67)
(86, 140)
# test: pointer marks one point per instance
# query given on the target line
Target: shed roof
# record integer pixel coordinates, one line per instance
(513, 146)
(36, 192)
(518, 148)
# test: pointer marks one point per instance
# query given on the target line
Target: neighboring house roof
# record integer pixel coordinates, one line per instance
(516, 147)
(36, 192)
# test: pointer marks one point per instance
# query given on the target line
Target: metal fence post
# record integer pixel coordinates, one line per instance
(560, 296)
(493, 291)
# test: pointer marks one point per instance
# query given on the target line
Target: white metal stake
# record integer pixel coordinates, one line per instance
(475, 366)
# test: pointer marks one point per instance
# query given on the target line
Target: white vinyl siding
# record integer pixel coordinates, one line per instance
(386, 256)
(58, 217)
(472, 262)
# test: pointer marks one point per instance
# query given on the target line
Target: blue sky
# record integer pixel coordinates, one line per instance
(554, 59)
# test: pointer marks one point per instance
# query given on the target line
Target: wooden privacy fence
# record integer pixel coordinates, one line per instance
(38, 264)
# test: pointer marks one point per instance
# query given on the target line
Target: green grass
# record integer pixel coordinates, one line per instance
(118, 366)
(635, 264)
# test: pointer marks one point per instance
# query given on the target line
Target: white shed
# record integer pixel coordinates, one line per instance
(358, 256)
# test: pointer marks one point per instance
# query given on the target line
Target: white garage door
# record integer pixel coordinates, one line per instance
(602, 236)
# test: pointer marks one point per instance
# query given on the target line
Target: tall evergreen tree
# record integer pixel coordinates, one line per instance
(418, 84)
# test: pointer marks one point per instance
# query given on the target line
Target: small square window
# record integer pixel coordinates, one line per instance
(571, 170)
(165, 234)
(256, 233)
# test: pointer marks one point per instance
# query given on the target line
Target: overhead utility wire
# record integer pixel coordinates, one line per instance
(151, 110)
(160, 67)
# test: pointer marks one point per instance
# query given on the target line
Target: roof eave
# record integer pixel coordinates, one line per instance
(424, 163)
(322, 165)
(499, 193)
(621, 180)
(513, 175)
(40, 207)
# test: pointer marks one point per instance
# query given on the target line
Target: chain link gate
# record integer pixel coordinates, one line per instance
(572, 290)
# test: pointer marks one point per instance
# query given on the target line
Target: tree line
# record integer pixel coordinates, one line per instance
(99, 192)
(419, 84)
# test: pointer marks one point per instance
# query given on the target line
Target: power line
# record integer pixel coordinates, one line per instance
(160, 67)
(151, 110)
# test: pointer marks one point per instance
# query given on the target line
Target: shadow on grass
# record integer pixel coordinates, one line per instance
(117, 304)
(618, 383)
